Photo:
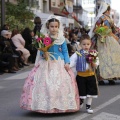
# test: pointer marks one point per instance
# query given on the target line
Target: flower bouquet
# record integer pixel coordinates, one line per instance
(92, 56)
(103, 32)
(43, 43)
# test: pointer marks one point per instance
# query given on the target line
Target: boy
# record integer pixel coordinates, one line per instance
(85, 77)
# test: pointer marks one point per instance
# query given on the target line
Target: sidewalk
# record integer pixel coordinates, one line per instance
(6, 75)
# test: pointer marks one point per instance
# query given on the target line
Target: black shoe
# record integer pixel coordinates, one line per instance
(26, 65)
(111, 82)
(20, 65)
(101, 82)
(10, 71)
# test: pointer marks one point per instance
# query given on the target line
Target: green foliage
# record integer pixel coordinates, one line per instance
(14, 23)
(18, 16)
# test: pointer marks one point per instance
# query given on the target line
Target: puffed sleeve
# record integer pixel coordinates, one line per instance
(65, 52)
(73, 60)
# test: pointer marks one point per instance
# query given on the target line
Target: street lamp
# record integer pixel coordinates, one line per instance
(2, 12)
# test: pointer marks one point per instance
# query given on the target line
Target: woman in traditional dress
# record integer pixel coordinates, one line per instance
(109, 51)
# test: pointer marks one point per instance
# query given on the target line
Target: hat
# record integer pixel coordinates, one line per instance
(5, 32)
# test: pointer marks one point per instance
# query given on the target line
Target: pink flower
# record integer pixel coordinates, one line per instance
(47, 41)
(38, 39)
(46, 35)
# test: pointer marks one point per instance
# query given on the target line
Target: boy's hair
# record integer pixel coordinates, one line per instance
(85, 36)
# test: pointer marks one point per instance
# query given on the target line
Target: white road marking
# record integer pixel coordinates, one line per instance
(98, 108)
(106, 116)
(18, 76)
(1, 87)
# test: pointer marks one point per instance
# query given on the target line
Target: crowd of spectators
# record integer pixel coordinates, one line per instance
(13, 53)
(16, 49)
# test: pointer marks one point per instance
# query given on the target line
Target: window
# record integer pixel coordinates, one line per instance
(53, 3)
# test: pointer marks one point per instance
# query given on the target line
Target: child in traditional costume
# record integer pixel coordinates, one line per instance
(85, 67)
(51, 87)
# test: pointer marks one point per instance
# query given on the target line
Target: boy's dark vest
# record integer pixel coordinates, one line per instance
(81, 61)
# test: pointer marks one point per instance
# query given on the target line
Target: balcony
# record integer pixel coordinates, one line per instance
(77, 7)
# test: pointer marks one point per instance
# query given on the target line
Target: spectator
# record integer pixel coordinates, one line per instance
(19, 61)
(75, 43)
(79, 33)
(28, 36)
(5, 53)
(67, 38)
(37, 22)
(19, 42)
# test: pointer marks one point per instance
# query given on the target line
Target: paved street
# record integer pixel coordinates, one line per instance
(106, 106)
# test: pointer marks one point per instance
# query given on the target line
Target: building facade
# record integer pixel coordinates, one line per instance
(62, 9)
(45, 8)
(54, 7)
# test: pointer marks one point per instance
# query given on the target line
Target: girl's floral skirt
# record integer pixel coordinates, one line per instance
(49, 88)
(109, 58)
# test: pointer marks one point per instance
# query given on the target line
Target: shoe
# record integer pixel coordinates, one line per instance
(15, 69)
(21, 66)
(111, 82)
(10, 71)
(90, 111)
(26, 65)
(101, 82)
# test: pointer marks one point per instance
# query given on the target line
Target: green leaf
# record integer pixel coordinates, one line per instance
(18, 16)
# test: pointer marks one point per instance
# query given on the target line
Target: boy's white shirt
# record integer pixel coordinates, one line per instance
(73, 61)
